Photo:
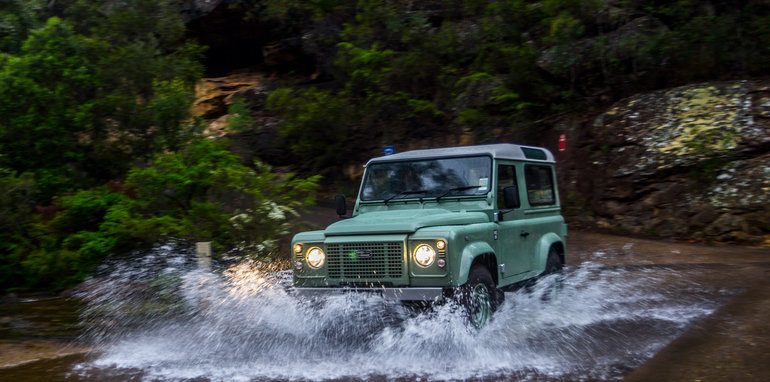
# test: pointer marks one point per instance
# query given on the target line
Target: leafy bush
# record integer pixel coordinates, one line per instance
(201, 193)
(81, 102)
(239, 117)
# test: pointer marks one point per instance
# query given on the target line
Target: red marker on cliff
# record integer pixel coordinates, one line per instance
(562, 142)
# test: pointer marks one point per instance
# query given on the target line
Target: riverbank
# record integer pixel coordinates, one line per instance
(36, 329)
(25, 352)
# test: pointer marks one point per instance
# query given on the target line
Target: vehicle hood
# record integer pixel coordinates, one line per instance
(402, 221)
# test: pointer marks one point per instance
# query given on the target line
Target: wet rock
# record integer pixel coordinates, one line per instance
(689, 161)
(669, 194)
(679, 127)
(10, 298)
(613, 208)
(759, 221)
(622, 191)
(605, 224)
(725, 224)
(666, 227)
(739, 237)
(705, 214)
(651, 200)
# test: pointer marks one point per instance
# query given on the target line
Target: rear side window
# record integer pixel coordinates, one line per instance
(539, 185)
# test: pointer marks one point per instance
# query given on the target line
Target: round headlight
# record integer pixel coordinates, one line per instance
(424, 255)
(315, 257)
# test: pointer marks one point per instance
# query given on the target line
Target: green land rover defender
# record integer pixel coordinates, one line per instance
(428, 225)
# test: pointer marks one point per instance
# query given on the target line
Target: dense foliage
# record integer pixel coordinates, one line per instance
(200, 193)
(98, 153)
(407, 70)
(79, 106)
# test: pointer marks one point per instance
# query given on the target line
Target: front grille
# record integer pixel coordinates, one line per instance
(383, 260)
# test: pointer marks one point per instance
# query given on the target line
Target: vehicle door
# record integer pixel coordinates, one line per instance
(540, 206)
(513, 247)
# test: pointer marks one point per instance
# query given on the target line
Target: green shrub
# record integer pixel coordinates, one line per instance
(239, 116)
(83, 96)
(204, 193)
(201, 193)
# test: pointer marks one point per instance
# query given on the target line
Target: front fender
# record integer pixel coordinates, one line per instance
(543, 246)
(470, 252)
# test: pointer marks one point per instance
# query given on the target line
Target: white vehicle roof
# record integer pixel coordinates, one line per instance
(497, 151)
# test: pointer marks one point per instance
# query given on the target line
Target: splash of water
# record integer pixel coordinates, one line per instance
(161, 319)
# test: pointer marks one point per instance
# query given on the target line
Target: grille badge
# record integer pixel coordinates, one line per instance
(364, 254)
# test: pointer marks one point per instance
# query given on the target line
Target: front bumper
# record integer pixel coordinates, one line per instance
(400, 294)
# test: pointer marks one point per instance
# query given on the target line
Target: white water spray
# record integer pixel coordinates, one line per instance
(160, 319)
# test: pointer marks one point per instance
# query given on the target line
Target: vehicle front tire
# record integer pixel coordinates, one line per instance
(479, 296)
(553, 264)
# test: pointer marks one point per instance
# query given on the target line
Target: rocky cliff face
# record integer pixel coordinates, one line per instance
(692, 161)
(214, 97)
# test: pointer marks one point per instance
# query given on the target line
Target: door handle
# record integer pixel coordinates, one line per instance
(524, 234)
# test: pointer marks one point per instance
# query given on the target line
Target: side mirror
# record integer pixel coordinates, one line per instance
(511, 197)
(342, 207)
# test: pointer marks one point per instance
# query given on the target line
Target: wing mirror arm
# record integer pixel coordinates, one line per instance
(499, 214)
(341, 206)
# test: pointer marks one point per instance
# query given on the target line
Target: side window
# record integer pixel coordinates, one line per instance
(506, 177)
(539, 185)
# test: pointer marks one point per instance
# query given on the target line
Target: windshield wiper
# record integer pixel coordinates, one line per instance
(451, 190)
(404, 193)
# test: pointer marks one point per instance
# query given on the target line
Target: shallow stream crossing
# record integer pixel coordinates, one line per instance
(158, 318)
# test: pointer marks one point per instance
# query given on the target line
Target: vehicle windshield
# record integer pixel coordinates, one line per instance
(435, 178)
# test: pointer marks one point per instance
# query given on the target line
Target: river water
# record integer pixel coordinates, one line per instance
(158, 318)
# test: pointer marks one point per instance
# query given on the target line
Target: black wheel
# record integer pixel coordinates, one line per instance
(479, 296)
(553, 264)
